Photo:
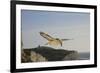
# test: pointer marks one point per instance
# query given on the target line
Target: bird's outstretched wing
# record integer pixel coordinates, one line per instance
(46, 36)
(65, 39)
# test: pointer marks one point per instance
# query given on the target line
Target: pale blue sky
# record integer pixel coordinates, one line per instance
(72, 25)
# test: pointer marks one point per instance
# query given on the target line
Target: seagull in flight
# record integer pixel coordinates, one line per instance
(51, 40)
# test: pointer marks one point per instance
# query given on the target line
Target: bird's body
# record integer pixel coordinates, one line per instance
(52, 41)
(55, 42)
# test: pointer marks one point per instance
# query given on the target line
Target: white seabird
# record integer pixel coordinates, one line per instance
(52, 41)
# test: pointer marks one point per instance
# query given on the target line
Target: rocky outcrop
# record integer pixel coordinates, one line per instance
(31, 56)
(42, 54)
(35, 57)
(74, 55)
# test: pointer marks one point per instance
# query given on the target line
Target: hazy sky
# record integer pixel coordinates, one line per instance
(71, 25)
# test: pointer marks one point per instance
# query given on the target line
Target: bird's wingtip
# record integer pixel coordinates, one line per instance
(41, 32)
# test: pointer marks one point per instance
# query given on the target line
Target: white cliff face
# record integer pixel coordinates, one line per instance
(35, 57)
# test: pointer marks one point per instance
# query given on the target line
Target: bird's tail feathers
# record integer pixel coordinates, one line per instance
(66, 39)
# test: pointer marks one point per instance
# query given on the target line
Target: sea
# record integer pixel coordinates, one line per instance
(84, 55)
